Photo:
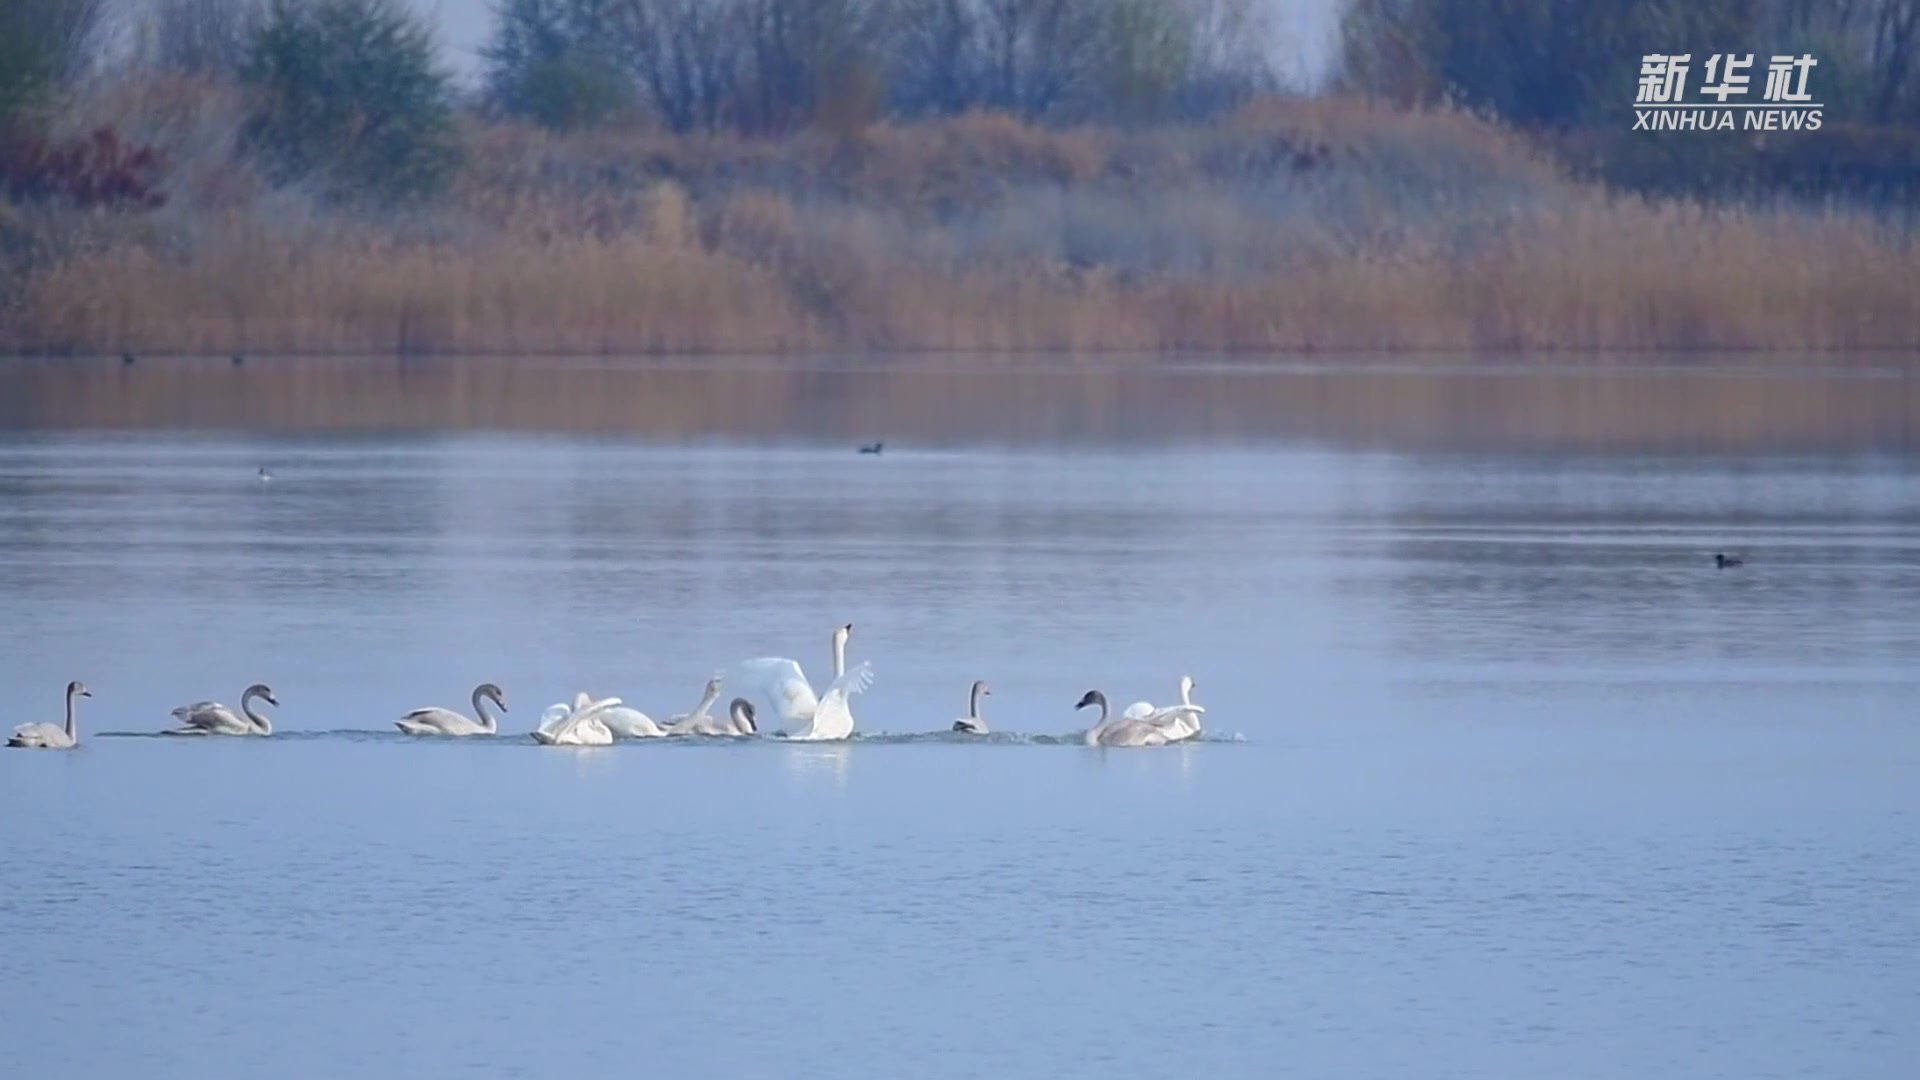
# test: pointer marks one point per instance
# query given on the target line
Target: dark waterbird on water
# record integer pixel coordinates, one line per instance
(126, 359)
(238, 359)
(1724, 562)
(873, 448)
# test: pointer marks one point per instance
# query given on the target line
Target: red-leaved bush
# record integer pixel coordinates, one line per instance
(98, 170)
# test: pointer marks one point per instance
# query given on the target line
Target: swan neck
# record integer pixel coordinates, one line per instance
(973, 702)
(839, 656)
(246, 708)
(1100, 724)
(480, 712)
(1186, 695)
(70, 714)
(706, 701)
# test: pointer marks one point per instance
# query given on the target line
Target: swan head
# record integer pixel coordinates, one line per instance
(742, 712)
(76, 688)
(263, 692)
(1187, 684)
(713, 685)
(980, 688)
(492, 693)
(840, 635)
(1091, 697)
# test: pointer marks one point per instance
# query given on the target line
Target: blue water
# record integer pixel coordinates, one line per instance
(1503, 779)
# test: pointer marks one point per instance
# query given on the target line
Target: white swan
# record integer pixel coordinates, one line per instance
(973, 723)
(784, 687)
(1118, 731)
(627, 722)
(1180, 721)
(739, 723)
(48, 737)
(434, 720)
(745, 722)
(701, 722)
(575, 725)
(213, 718)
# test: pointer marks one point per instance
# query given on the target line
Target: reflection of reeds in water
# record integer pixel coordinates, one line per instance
(1517, 407)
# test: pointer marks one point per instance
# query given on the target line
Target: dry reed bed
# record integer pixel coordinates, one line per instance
(1293, 226)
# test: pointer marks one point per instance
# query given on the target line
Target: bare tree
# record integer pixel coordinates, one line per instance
(935, 56)
(774, 65)
(44, 43)
(1896, 38)
(682, 54)
(201, 37)
(798, 54)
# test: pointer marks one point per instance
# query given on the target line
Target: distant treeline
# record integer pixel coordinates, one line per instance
(1566, 70)
(769, 66)
(352, 92)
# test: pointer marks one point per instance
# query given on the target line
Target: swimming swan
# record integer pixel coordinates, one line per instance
(578, 724)
(1180, 721)
(784, 686)
(627, 722)
(213, 718)
(1119, 731)
(434, 720)
(736, 724)
(973, 723)
(745, 724)
(48, 737)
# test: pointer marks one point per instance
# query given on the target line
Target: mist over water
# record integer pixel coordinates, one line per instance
(1503, 777)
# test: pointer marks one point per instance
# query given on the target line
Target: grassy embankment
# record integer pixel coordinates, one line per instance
(1292, 225)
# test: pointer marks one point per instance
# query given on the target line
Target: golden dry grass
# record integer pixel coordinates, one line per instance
(1292, 226)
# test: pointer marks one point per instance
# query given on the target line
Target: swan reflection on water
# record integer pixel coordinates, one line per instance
(811, 761)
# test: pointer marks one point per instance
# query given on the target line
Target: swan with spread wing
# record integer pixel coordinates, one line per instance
(576, 724)
(783, 688)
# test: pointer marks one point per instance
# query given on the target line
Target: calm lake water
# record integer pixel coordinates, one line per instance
(1503, 779)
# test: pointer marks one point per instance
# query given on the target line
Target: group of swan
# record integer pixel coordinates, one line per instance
(777, 681)
(586, 721)
(199, 718)
(1141, 725)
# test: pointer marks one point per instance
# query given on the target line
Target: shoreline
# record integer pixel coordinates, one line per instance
(1725, 405)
